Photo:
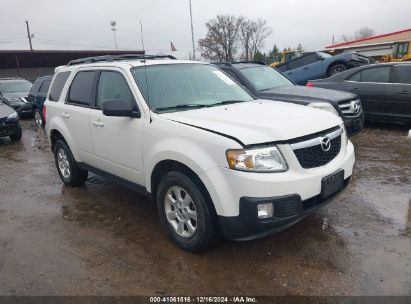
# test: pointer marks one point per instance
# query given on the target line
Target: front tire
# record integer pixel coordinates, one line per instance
(16, 134)
(67, 167)
(186, 213)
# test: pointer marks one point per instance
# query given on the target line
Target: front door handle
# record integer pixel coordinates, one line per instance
(65, 115)
(306, 68)
(354, 89)
(405, 92)
(98, 123)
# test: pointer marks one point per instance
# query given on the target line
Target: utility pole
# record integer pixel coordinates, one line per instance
(29, 35)
(114, 29)
(192, 32)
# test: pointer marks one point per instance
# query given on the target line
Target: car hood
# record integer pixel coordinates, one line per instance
(306, 95)
(258, 121)
(5, 110)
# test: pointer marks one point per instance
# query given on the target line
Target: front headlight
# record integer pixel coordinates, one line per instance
(323, 106)
(12, 116)
(267, 159)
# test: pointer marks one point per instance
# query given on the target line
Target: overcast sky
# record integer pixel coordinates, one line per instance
(85, 24)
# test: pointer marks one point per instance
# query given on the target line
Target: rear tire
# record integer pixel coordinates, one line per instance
(38, 118)
(337, 68)
(186, 212)
(67, 167)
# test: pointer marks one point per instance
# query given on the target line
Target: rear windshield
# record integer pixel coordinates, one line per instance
(15, 86)
(265, 78)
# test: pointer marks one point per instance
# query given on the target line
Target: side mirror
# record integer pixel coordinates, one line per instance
(119, 108)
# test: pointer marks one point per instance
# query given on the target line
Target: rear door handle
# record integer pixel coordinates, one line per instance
(98, 123)
(354, 89)
(65, 115)
(405, 92)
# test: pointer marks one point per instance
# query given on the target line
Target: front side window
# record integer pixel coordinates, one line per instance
(265, 78)
(404, 74)
(172, 87)
(355, 77)
(378, 74)
(113, 86)
(81, 89)
(15, 86)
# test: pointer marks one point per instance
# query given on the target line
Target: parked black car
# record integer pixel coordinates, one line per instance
(14, 92)
(315, 65)
(384, 89)
(9, 122)
(267, 83)
(37, 96)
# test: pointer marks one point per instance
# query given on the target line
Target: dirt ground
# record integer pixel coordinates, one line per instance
(102, 239)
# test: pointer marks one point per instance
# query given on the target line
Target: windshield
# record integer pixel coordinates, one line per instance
(181, 86)
(15, 86)
(264, 78)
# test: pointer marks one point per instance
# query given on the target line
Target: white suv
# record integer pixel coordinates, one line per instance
(213, 158)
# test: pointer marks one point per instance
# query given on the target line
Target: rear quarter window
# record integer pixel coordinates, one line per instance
(58, 85)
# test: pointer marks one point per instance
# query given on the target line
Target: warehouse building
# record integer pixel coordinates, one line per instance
(375, 46)
(32, 64)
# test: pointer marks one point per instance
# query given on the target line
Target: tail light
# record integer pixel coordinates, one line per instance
(43, 111)
(310, 84)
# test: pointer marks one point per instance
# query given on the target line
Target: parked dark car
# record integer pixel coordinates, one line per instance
(14, 92)
(384, 89)
(37, 96)
(267, 83)
(315, 65)
(9, 122)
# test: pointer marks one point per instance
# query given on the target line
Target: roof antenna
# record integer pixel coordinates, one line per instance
(145, 66)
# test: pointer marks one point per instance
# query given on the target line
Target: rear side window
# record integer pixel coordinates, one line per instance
(45, 86)
(355, 77)
(58, 85)
(379, 74)
(404, 74)
(81, 89)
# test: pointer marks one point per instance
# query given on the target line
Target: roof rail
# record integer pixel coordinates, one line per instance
(111, 58)
(234, 62)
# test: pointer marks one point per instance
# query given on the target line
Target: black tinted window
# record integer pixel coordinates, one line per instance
(45, 86)
(81, 89)
(404, 74)
(36, 86)
(113, 86)
(355, 77)
(58, 84)
(379, 74)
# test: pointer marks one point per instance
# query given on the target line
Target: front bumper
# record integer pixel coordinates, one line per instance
(354, 125)
(231, 190)
(8, 127)
(288, 210)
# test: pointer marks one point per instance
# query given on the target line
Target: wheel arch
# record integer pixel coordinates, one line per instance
(334, 64)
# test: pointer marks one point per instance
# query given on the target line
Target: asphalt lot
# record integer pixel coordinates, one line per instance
(102, 239)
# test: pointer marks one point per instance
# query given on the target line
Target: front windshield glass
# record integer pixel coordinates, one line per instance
(171, 87)
(264, 78)
(15, 86)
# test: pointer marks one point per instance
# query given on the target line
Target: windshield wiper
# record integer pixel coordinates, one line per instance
(225, 102)
(182, 106)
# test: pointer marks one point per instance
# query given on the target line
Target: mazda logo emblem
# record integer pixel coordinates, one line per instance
(325, 144)
(355, 106)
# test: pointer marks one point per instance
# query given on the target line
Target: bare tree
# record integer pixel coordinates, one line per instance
(262, 32)
(364, 32)
(247, 30)
(221, 41)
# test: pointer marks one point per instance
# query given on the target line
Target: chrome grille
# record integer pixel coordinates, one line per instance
(350, 108)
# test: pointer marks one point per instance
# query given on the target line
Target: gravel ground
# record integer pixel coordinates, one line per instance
(102, 239)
